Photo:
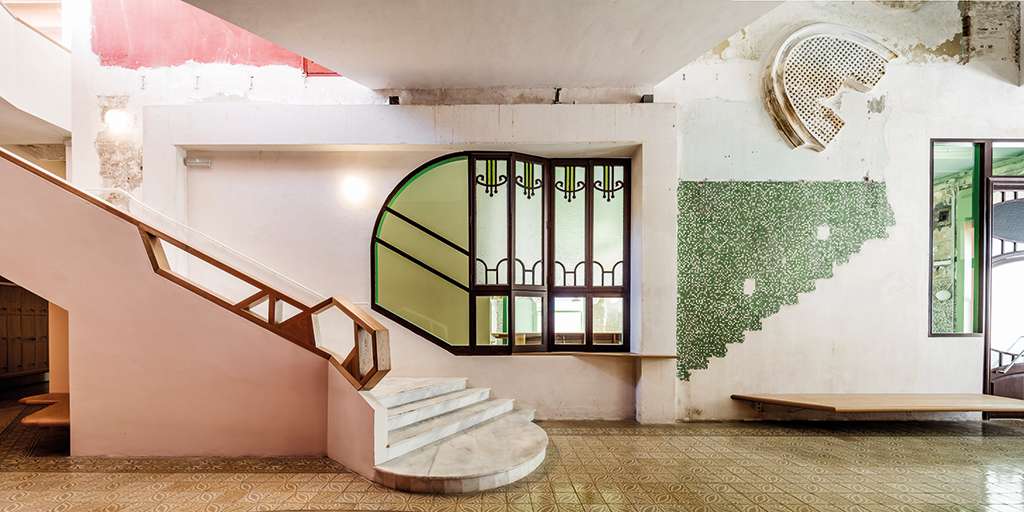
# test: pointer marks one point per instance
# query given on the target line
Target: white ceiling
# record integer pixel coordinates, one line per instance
(448, 44)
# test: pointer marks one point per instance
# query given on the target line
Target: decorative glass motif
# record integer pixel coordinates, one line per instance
(570, 224)
(491, 222)
(609, 185)
(492, 179)
(526, 179)
(568, 186)
(608, 227)
(529, 226)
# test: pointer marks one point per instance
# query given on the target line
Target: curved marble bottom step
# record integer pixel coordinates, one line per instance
(489, 455)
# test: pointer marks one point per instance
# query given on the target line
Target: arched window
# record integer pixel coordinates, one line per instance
(494, 253)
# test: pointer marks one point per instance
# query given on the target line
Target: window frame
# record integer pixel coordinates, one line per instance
(982, 256)
(547, 291)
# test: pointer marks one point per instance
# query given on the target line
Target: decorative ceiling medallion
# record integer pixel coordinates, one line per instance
(806, 69)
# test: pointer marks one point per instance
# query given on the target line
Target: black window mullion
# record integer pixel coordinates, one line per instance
(472, 253)
(588, 251)
(549, 252)
(627, 206)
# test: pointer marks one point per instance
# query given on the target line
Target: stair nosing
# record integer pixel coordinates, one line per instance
(464, 392)
(495, 404)
(397, 396)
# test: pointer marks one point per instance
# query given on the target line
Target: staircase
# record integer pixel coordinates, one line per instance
(446, 438)
(423, 435)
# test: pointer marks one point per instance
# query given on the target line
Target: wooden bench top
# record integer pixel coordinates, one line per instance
(891, 402)
(46, 399)
(57, 414)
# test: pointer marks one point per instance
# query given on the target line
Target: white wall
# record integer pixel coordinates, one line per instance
(35, 85)
(865, 330)
(284, 208)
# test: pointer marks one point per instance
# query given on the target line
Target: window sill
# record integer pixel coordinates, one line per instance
(629, 355)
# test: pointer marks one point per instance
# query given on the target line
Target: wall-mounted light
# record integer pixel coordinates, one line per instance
(354, 189)
(117, 120)
(198, 162)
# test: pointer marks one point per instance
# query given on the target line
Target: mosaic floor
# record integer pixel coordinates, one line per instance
(910, 466)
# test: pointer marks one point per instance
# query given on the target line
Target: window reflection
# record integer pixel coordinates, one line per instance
(955, 201)
(570, 320)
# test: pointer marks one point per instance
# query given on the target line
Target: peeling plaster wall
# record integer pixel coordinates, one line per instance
(863, 330)
(992, 44)
(105, 159)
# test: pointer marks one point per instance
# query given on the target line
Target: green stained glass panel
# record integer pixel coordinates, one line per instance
(429, 250)
(438, 199)
(421, 297)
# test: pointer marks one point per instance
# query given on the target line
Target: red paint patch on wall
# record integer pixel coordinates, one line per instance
(160, 33)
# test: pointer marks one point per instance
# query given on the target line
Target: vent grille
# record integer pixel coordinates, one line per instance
(816, 69)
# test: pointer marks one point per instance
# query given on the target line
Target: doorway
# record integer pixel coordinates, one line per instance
(1005, 338)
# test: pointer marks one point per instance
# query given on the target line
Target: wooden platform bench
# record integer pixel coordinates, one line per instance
(58, 414)
(889, 402)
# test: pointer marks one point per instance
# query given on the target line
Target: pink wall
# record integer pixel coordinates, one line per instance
(154, 369)
(159, 33)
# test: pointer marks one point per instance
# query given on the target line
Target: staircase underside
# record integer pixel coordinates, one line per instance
(463, 440)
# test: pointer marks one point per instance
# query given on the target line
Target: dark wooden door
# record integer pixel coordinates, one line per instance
(24, 331)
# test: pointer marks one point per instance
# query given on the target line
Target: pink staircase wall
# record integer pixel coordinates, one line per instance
(155, 370)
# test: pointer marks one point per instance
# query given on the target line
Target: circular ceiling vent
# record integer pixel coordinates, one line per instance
(807, 68)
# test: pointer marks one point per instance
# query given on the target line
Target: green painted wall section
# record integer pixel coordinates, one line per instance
(783, 235)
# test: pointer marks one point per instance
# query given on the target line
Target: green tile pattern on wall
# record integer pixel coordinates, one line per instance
(771, 232)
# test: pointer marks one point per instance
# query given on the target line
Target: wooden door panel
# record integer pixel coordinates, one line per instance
(24, 332)
(14, 343)
(6, 299)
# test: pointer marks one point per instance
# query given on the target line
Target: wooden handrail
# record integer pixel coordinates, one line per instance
(370, 358)
(34, 29)
(367, 363)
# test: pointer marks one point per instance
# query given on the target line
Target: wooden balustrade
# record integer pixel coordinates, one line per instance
(370, 358)
(367, 363)
(364, 367)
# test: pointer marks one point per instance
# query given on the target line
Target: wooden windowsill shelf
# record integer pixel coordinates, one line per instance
(629, 355)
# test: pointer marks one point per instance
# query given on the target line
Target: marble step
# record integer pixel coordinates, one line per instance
(420, 410)
(492, 454)
(406, 439)
(393, 392)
